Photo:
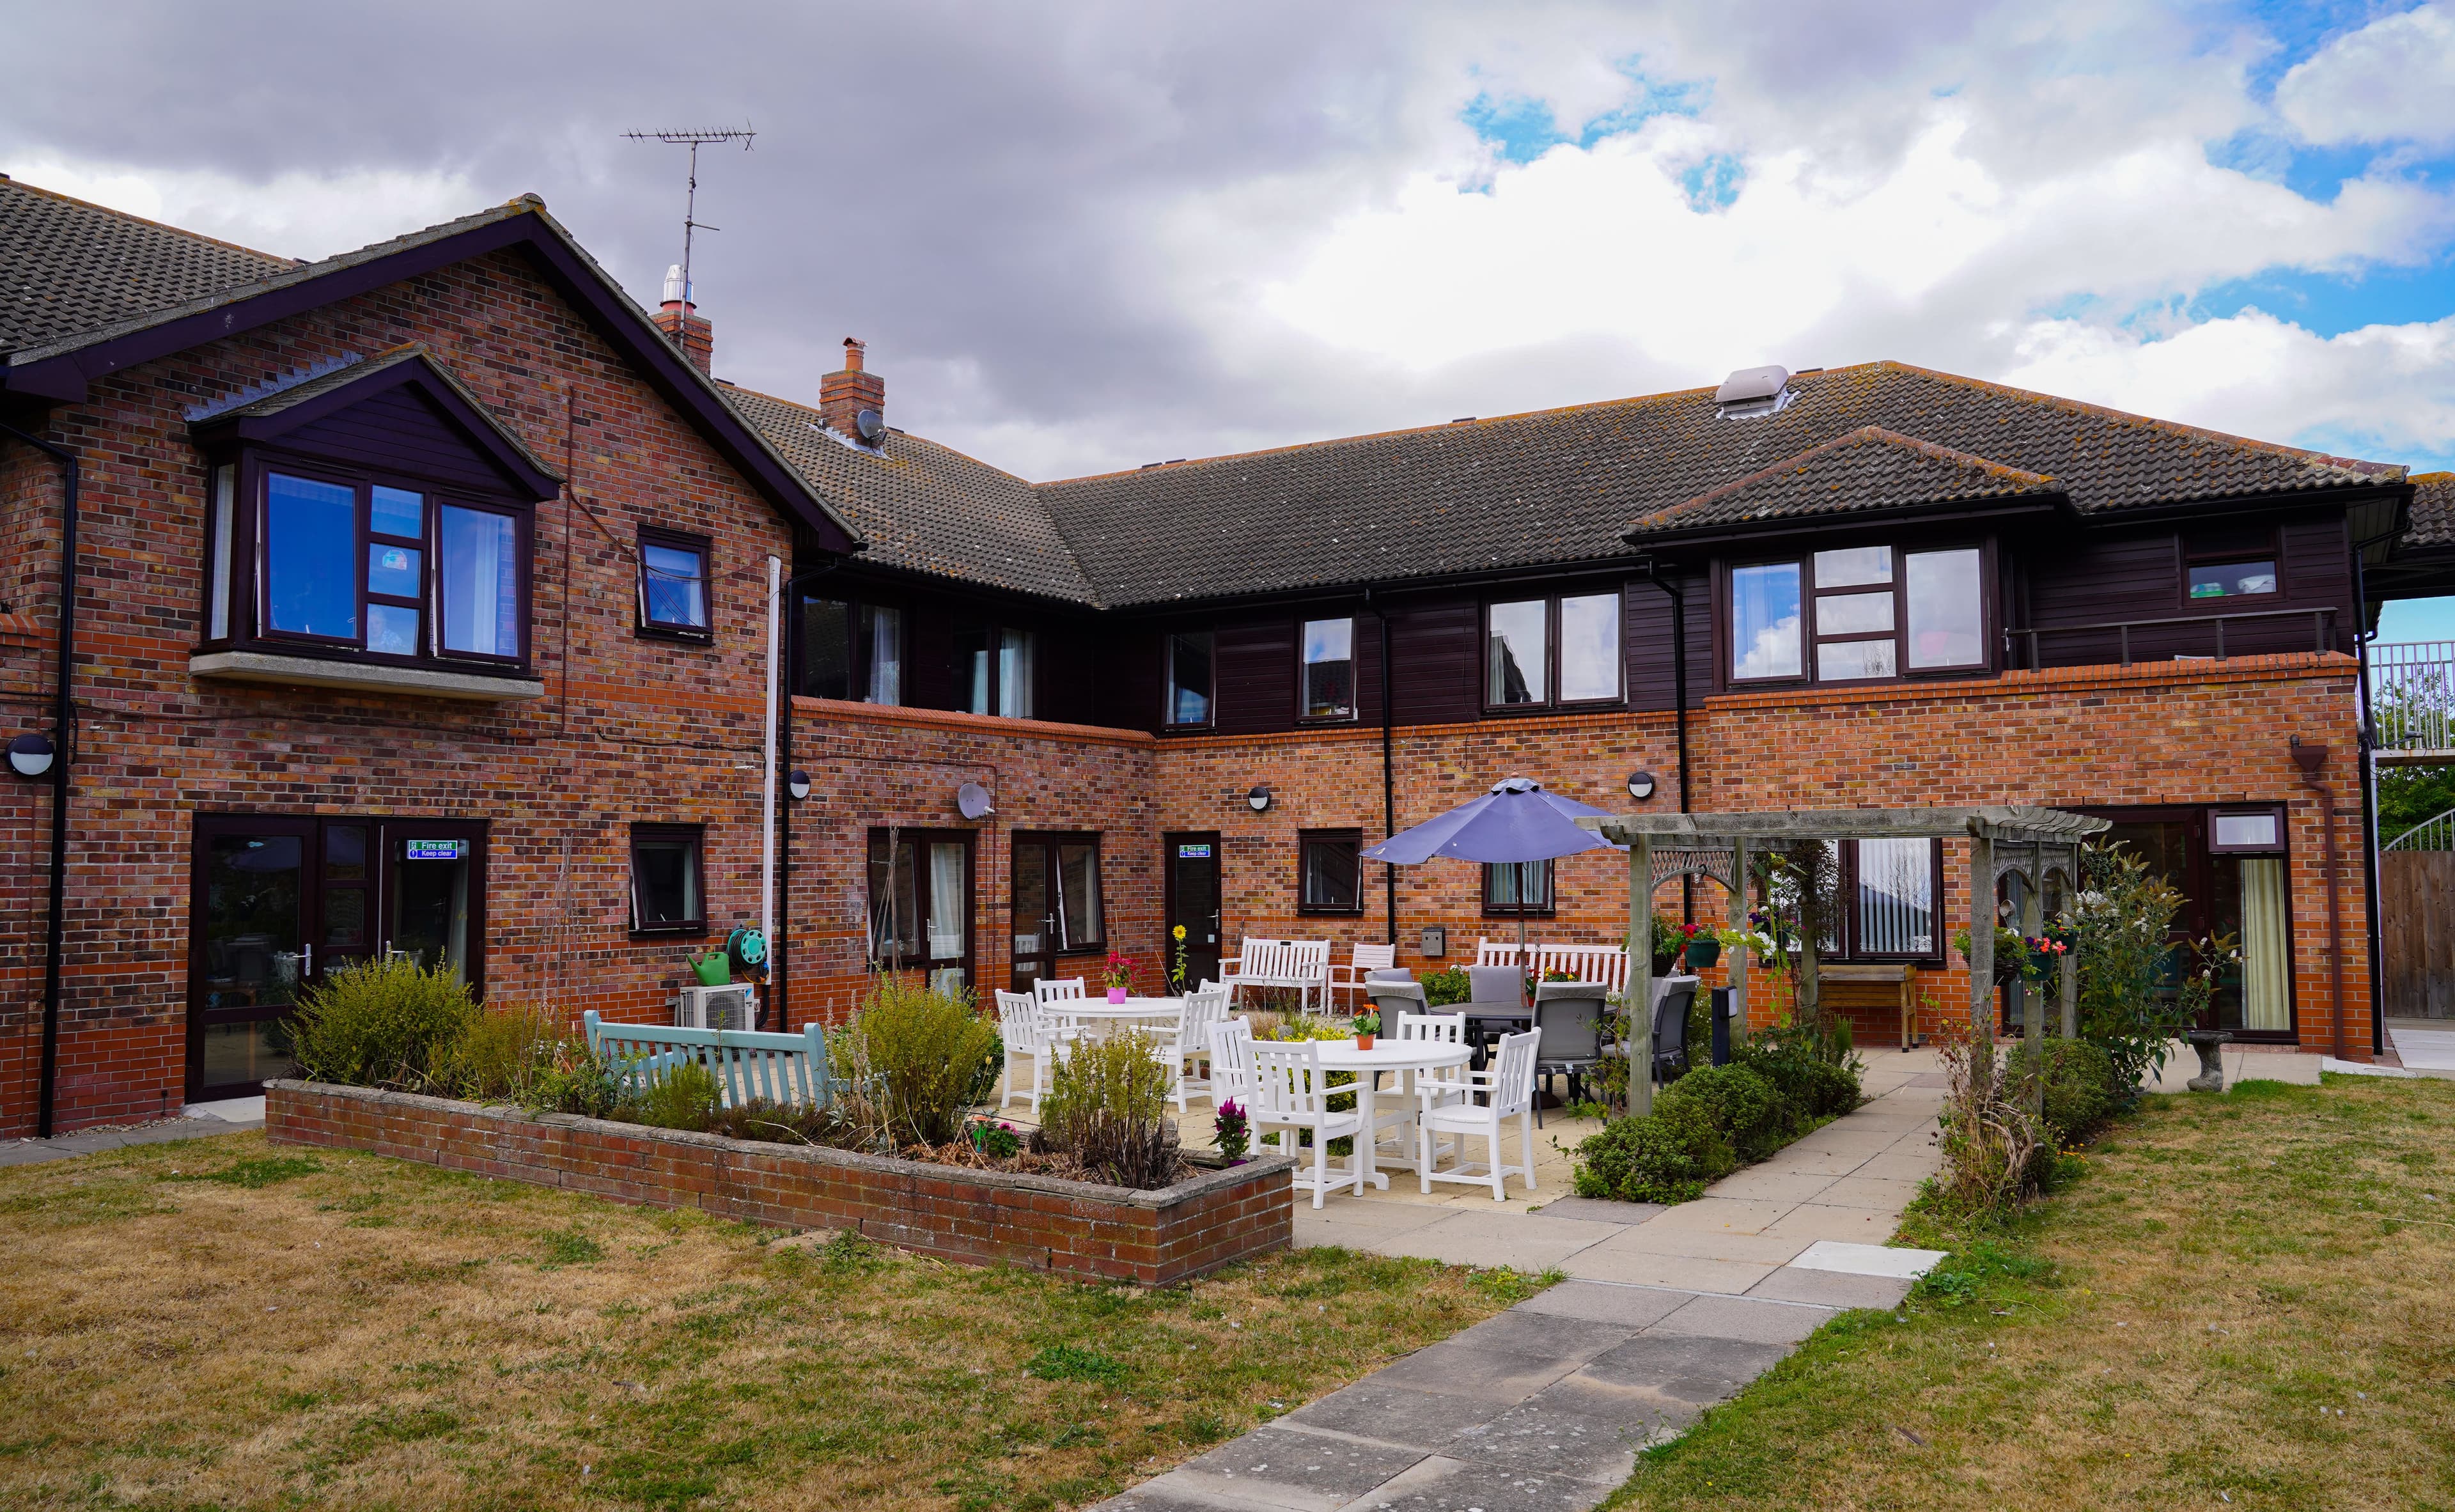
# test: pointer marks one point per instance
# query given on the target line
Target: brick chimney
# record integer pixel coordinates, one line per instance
(843, 394)
(680, 319)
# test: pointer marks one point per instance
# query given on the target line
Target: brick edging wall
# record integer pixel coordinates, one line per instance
(1074, 1228)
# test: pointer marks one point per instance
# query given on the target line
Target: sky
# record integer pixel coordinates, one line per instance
(1082, 237)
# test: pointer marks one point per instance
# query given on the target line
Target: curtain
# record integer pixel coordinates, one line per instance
(947, 908)
(2266, 995)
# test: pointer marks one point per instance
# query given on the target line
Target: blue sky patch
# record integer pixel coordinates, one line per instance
(2330, 304)
(1713, 183)
(1524, 129)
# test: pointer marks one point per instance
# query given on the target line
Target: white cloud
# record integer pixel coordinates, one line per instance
(294, 214)
(2390, 81)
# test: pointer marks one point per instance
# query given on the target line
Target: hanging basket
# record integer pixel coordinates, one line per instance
(1703, 951)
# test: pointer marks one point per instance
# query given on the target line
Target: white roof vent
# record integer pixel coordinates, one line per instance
(1753, 393)
(675, 291)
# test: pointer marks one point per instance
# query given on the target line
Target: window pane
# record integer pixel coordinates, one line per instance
(1841, 660)
(1509, 886)
(2265, 934)
(1896, 897)
(1189, 677)
(885, 654)
(2232, 580)
(1015, 674)
(1853, 567)
(1854, 614)
(972, 671)
(1333, 871)
(1590, 647)
(396, 570)
(2246, 830)
(674, 585)
(1328, 669)
(1515, 655)
(1947, 609)
(345, 853)
(826, 648)
(894, 900)
(480, 582)
(218, 597)
(310, 536)
(392, 630)
(666, 878)
(1035, 912)
(397, 511)
(345, 916)
(1078, 893)
(1764, 621)
(949, 909)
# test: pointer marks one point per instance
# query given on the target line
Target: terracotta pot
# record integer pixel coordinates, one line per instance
(1363, 1041)
(1116, 995)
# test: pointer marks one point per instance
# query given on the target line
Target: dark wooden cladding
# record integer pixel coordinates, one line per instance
(2073, 579)
(399, 431)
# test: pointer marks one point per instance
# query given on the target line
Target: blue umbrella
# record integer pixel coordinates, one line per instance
(1516, 821)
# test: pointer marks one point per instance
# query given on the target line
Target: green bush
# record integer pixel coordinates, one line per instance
(685, 1097)
(1815, 1087)
(930, 1048)
(1743, 1106)
(2082, 1092)
(381, 1024)
(500, 1056)
(1107, 1107)
(1447, 987)
(574, 1079)
(1667, 1155)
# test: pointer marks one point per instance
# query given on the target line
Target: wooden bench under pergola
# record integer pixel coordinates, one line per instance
(2004, 840)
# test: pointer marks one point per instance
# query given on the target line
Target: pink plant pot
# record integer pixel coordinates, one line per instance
(1116, 995)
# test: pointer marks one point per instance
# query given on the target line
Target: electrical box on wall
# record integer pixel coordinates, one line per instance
(1436, 941)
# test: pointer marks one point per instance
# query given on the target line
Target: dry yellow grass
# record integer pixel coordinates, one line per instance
(2242, 1302)
(220, 1325)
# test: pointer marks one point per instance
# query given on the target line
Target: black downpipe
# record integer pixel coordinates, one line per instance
(789, 682)
(1388, 782)
(63, 739)
(2366, 769)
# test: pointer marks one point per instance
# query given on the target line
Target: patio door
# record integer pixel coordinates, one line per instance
(1193, 905)
(1058, 909)
(921, 904)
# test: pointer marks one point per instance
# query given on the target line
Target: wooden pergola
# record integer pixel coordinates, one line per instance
(2004, 840)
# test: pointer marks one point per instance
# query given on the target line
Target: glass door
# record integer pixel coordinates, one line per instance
(1058, 907)
(434, 894)
(1193, 905)
(921, 905)
(252, 950)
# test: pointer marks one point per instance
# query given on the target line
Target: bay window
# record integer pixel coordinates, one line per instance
(1859, 613)
(1547, 653)
(1329, 675)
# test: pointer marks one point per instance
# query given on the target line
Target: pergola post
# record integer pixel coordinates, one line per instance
(1981, 951)
(1739, 953)
(1640, 974)
(2071, 958)
(2033, 1003)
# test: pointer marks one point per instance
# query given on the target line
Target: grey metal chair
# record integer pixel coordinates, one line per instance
(1495, 1005)
(1670, 1025)
(1569, 1017)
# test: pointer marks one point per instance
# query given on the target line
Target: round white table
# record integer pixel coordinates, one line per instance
(1407, 1058)
(1082, 1013)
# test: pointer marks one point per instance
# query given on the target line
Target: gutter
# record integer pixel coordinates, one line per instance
(64, 737)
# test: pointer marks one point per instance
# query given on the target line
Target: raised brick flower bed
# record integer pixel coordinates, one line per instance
(1076, 1228)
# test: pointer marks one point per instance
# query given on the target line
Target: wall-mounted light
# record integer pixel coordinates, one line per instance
(797, 785)
(1259, 799)
(1640, 785)
(30, 756)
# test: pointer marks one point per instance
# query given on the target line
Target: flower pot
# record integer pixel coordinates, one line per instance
(1703, 953)
(1363, 1041)
(1116, 995)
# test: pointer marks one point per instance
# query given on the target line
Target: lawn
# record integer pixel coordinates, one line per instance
(218, 1323)
(2237, 1301)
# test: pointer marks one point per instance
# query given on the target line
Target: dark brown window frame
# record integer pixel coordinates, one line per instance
(2200, 907)
(1803, 557)
(653, 829)
(1939, 921)
(919, 841)
(860, 643)
(1549, 907)
(1168, 679)
(2218, 811)
(1551, 702)
(995, 630)
(1306, 839)
(1053, 878)
(682, 541)
(245, 600)
(2270, 551)
(1354, 671)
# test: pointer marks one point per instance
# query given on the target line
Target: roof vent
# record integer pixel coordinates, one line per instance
(1754, 393)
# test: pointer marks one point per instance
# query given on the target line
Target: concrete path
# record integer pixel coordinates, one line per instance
(2427, 1045)
(200, 1120)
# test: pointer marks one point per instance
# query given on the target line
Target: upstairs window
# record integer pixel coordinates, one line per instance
(673, 583)
(1330, 865)
(1329, 688)
(2232, 580)
(1191, 671)
(1859, 613)
(851, 651)
(996, 669)
(1547, 653)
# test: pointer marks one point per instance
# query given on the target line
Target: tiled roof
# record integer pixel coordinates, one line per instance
(2433, 510)
(67, 266)
(1869, 468)
(923, 507)
(1561, 486)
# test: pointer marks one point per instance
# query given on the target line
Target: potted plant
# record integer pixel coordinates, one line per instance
(1120, 976)
(1368, 1023)
(1704, 949)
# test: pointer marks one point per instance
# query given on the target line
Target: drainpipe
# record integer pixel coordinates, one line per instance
(779, 737)
(2367, 774)
(1389, 783)
(64, 738)
(2312, 759)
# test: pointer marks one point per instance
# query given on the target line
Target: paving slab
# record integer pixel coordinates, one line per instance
(1698, 1243)
(1875, 1191)
(1913, 1164)
(95, 1141)
(1867, 1260)
(1602, 1302)
(1773, 1183)
(1599, 1210)
(1729, 1215)
(1793, 1284)
(1809, 1222)
(1443, 1485)
(1697, 1368)
(1286, 1467)
(1679, 1272)
(1577, 1340)
(1750, 1319)
(1452, 1369)
(1527, 1241)
(1556, 1441)
(1385, 1412)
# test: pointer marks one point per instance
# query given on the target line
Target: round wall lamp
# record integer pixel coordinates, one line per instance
(30, 756)
(1640, 785)
(797, 785)
(1259, 799)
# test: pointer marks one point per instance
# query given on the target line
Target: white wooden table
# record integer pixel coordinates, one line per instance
(1407, 1058)
(1085, 1013)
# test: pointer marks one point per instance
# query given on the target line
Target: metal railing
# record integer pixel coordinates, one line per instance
(2323, 624)
(2429, 834)
(2412, 695)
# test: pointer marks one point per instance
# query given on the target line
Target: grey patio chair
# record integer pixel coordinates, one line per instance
(1671, 1024)
(1495, 1005)
(1569, 1016)
(1394, 991)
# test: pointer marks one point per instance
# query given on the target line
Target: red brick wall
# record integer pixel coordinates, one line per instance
(1153, 1238)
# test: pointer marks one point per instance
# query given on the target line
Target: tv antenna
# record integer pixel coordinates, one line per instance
(694, 140)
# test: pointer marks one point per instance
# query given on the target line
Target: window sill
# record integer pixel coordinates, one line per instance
(676, 634)
(361, 677)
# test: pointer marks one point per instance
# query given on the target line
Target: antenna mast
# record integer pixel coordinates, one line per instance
(690, 205)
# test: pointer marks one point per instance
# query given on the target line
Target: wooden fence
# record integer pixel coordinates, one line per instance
(2416, 926)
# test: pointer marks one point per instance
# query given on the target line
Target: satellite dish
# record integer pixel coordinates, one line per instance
(870, 423)
(971, 799)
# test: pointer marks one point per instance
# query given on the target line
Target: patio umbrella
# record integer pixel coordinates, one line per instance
(1516, 822)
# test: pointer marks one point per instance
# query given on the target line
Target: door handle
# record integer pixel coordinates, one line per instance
(307, 947)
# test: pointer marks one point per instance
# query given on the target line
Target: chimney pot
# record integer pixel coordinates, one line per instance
(854, 348)
(680, 320)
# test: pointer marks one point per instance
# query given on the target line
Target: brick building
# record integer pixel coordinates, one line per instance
(421, 604)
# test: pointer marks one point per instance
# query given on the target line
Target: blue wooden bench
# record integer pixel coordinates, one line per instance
(774, 1068)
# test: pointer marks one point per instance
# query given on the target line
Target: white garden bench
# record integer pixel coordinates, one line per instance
(1607, 964)
(747, 1065)
(1301, 964)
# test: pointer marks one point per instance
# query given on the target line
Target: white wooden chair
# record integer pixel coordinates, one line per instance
(1052, 989)
(1030, 1032)
(1362, 961)
(1231, 1064)
(1508, 1088)
(1204, 1011)
(1291, 1092)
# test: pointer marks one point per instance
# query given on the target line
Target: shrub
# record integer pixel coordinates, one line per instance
(1994, 1151)
(500, 1056)
(685, 1097)
(380, 1023)
(930, 1048)
(1107, 1107)
(1667, 1155)
(1447, 987)
(2122, 936)
(1815, 1087)
(2082, 1095)
(575, 1079)
(1742, 1104)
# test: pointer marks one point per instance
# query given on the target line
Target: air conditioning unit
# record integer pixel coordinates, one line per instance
(733, 1007)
